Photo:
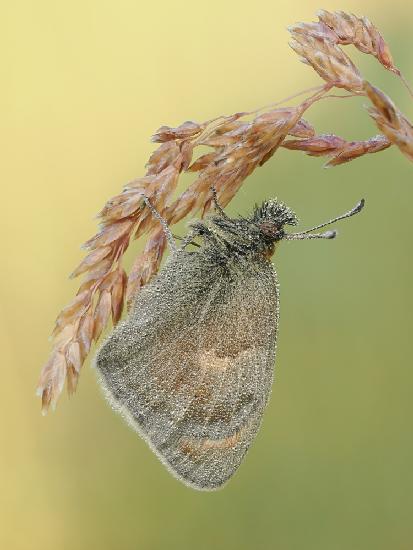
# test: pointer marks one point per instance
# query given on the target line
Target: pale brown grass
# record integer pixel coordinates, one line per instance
(238, 145)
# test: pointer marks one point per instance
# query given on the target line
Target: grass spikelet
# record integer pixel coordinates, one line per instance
(338, 149)
(394, 125)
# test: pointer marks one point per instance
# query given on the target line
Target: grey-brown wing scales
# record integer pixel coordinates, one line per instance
(191, 367)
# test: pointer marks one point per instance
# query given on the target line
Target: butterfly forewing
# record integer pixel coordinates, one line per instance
(191, 367)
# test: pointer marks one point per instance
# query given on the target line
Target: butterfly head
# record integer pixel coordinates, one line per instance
(271, 217)
(260, 232)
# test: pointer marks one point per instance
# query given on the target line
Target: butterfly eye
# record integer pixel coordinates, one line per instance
(272, 230)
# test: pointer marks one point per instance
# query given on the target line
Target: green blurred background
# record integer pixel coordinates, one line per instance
(85, 85)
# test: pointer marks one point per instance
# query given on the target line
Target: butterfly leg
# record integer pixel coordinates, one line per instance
(216, 203)
(163, 222)
(189, 240)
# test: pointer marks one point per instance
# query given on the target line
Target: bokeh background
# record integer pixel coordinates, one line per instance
(85, 83)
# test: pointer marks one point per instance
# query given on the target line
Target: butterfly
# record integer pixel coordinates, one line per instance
(191, 367)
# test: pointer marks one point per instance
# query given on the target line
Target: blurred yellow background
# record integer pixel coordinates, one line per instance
(85, 84)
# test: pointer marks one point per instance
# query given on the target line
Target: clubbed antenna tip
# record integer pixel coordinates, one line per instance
(358, 208)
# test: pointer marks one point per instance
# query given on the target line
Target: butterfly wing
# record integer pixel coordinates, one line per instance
(191, 367)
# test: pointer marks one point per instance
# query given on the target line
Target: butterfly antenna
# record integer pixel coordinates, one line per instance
(301, 236)
(327, 234)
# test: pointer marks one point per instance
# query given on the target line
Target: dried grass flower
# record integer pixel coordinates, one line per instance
(394, 125)
(237, 145)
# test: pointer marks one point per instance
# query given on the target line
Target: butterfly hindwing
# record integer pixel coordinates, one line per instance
(191, 367)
